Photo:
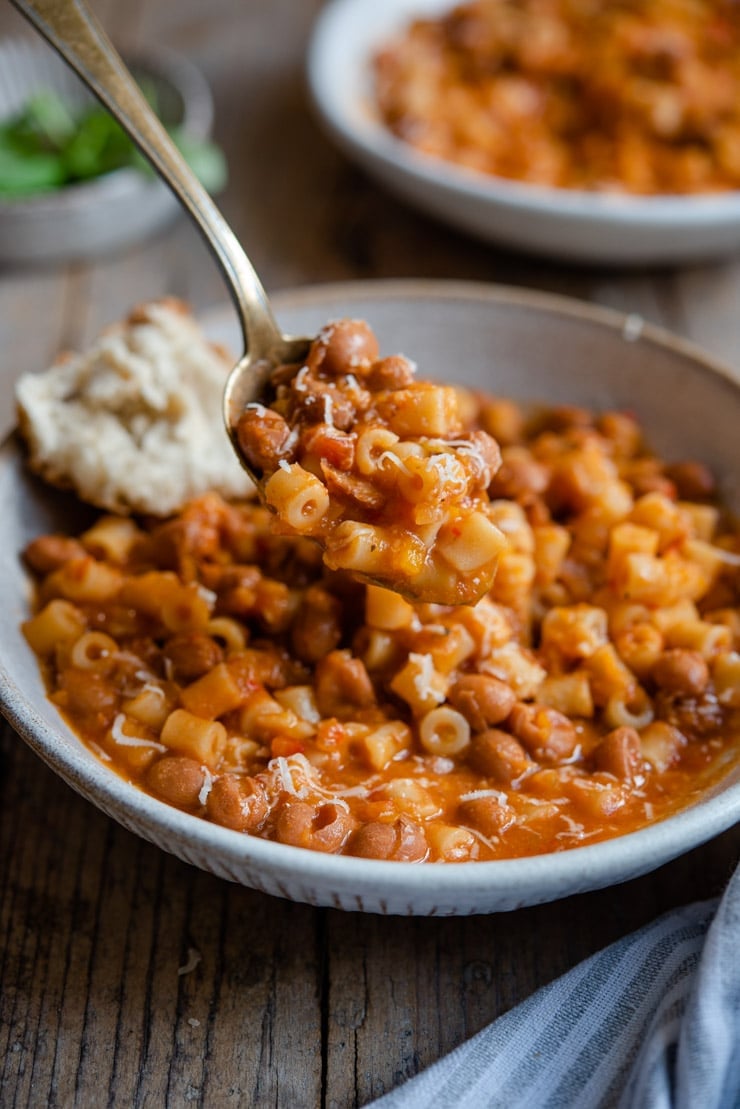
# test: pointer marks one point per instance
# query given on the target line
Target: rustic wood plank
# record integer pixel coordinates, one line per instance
(32, 308)
(709, 301)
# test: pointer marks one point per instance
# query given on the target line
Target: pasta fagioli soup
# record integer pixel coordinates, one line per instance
(595, 688)
(379, 468)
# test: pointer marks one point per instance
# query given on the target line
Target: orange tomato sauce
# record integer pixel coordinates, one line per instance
(595, 688)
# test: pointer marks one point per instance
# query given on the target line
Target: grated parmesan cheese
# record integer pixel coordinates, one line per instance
(100, 752)
(477, 794)
(298, 382)
(280, 764)
(120, 737)
(207, 595)
(294, 774)
(389, 456)
(426, 679)
(149, 687)
(207, 785)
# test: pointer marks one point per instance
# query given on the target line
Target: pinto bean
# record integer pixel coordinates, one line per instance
(547, 734)
(274, 605)
(325, 405)
(519, 476)
(694, 481)
(695, 715)
(503, 419)
(620, 754)
(263, 664)
(174, 545)
(192, 654)
(355, 488)
(564, 417)
(342, 685)
(49, 552)
(237, 589)
(646, 475)
(316, 629)
(238, 802)
(485, 455)
(498, 755)
(90, 696)
(176, 780)
(262, 436)
(394, 372)
(320, 828)
(346, 345)
(488, 814)
(681, 671)
(482, 700)
(402, 841)
(337, 448)
(623, 430)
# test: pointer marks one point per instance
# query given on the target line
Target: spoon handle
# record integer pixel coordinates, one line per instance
(75, 33)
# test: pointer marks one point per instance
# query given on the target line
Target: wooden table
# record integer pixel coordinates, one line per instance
(281, 1004)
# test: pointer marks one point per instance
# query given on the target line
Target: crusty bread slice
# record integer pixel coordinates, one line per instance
(134, 424)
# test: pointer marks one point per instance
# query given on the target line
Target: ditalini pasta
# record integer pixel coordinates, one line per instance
(226, 670)
(378, 467)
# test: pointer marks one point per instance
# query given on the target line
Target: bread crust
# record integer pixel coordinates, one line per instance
(134, 424)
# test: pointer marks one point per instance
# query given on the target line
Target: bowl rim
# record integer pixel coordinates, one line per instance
(600, 864)
(165, 64)
(355, 124)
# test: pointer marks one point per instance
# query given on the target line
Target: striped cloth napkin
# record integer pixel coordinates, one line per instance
(651, 1022)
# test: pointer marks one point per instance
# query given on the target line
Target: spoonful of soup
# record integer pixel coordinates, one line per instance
(346, 446)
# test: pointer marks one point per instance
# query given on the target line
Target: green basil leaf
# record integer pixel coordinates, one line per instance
(22, 174)
(46, 147)
(98, 146)
(45, 124)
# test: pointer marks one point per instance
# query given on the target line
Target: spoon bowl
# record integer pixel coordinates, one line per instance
(250, 382)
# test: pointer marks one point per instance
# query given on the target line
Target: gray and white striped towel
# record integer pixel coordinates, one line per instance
(651, 1022)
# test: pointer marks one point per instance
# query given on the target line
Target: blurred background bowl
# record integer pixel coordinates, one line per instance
(565, 224)
(109, 212)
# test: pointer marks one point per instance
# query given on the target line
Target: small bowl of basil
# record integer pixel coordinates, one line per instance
(72, 184)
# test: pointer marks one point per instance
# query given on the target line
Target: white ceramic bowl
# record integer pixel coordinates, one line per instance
(568, 224)
(516, 343)
(107, 213)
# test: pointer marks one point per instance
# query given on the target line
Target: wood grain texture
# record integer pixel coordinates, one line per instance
(282, 1005)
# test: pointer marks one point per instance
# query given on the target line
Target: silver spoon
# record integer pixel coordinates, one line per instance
(74, 33)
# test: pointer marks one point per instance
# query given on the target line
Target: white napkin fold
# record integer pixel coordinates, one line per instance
(650, 1022)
